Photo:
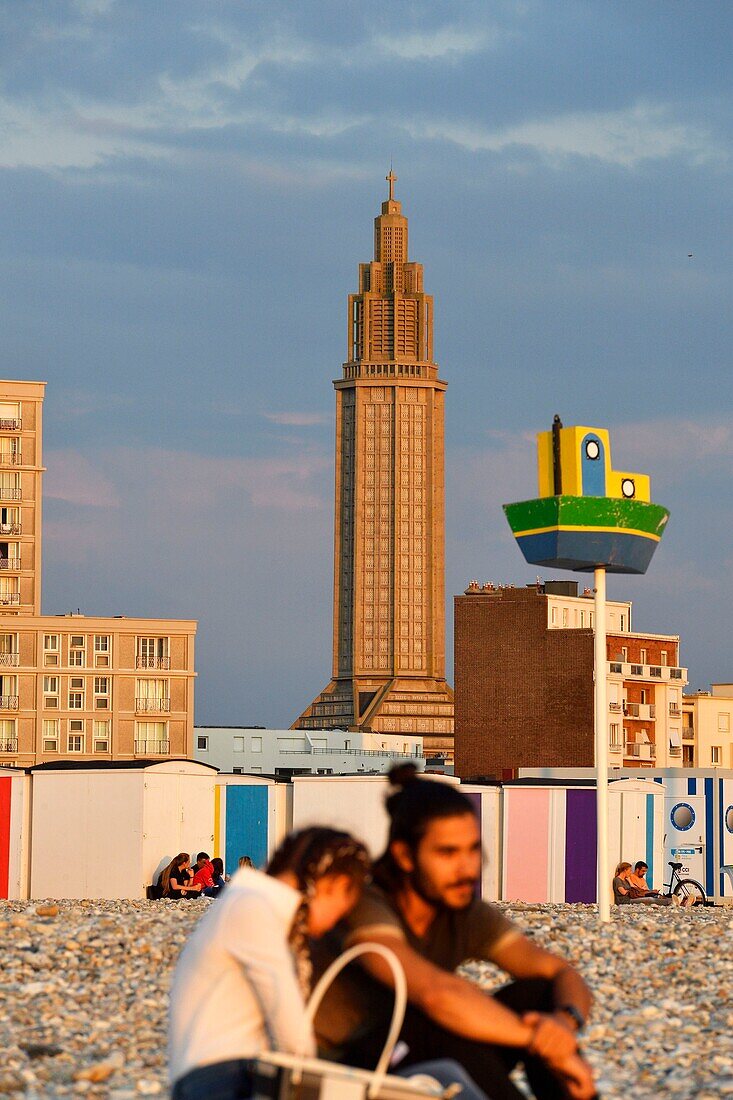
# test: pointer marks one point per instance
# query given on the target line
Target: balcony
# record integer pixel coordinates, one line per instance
(10, 563)
(616, 707)
(640, 751)
(152, 662)
(674, 710)
(153, 706)
(13, 528)
(9, 599)
(8, 744)
(675, 750)
(636, 670)
(655, 671)
(8, 702)
(10, 458)
(8, 493)
(152, 748)
(9, 425)
(11, 660)
(688, 733)
(675, 674)
(615, 666)
(640, 710)
(615, 746)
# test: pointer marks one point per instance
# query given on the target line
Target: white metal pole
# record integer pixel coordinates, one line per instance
(601, 745)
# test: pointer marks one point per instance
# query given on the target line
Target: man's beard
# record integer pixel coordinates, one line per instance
(422, 887)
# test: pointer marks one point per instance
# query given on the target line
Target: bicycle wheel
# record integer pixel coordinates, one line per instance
(689, 887)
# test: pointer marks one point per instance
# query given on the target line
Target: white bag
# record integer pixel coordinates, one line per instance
(280, 1076)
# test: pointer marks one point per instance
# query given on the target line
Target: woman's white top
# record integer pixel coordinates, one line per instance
(235, 991)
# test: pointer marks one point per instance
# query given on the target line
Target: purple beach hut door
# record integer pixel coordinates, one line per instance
(580, 846)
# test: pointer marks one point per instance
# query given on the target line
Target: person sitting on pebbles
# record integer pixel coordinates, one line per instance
(176, 880)
(631, 886)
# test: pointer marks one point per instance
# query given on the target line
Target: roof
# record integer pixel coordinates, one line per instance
(114, 765)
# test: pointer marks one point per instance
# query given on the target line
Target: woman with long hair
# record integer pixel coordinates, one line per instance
(242, 978)
(176, 879)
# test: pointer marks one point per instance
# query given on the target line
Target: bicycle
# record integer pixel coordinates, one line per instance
(685, 888)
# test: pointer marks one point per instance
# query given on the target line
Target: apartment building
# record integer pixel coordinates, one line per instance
(524, 674)
(707, 735)
(71, 685)
(255, 750)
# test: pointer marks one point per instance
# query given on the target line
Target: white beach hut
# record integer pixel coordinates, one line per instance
(106, 830)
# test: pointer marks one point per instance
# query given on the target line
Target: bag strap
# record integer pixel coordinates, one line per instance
(398, 1012)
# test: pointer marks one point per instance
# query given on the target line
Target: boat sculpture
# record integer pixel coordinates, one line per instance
(588, 515)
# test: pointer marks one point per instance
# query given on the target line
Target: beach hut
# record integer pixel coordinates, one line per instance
(106, 830)
(15, 801)
(351, 802)
(487, 801)
(252, 814)
(549, 835)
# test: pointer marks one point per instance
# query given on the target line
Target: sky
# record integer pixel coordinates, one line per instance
(186, 191)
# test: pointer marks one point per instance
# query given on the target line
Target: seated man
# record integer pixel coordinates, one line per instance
(639, 887)
(204, 875)
(423, 906)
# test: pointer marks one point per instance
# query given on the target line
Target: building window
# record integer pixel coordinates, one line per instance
(51, 734)
(102, 647)
(101, 692)
(564, 616)
(553, 616)
(256, 744)
(76, 651)
(102, 738)
(8, 735)
(151, 737)
(153, 653)
(663, 658)
(75, 739)
(716, 754)
(202, 743)
(51, 692)
(642, 657)
(50, 650)
(9, 649)
(615, 741)
(152, 695)
(724, 722)
(582, 618)
(238, 771)
(238, 744)
(76, 693)
(624, 654)
(254, 768)
(623, 622)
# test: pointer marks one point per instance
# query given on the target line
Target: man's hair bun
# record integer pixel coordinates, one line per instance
(402, 774)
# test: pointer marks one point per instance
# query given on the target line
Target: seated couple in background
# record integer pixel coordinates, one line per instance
(179, 880)
(632, 886)
(244, 975)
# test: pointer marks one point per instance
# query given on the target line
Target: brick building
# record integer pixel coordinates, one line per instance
(524, 683)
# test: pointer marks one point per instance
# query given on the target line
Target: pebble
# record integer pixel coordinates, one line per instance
(84, 996)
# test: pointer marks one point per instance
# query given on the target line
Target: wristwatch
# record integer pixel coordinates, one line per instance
(573, 1013)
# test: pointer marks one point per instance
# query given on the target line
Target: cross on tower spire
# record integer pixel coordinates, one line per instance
(391, 180)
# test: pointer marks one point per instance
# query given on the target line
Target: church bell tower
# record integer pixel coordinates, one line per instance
(389, 591)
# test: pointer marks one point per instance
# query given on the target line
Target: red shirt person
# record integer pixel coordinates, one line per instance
(203, 872)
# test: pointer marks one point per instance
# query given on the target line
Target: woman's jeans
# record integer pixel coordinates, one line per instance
(446, 1073)
(234, 1081)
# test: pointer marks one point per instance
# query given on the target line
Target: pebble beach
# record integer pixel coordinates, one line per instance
(83, 997)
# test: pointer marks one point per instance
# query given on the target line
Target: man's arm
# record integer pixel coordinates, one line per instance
(523, 959)
(455, 1003)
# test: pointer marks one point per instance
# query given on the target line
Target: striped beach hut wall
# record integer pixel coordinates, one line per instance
(549, 836)
(15, 848)
(252, 814)
(486, 799)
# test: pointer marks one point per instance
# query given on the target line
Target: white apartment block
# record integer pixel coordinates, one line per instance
(707, 734)
(255, 750)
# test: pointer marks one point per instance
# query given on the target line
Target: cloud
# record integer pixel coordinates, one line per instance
(298, 419)
(75, 479)
(625, 138)
(450, 43)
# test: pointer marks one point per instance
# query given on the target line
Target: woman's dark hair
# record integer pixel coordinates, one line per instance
(310, 855)
(171, 869)
(218, 865)
(412, 806)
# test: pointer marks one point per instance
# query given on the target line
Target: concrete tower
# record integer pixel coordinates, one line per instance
(389, 599)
